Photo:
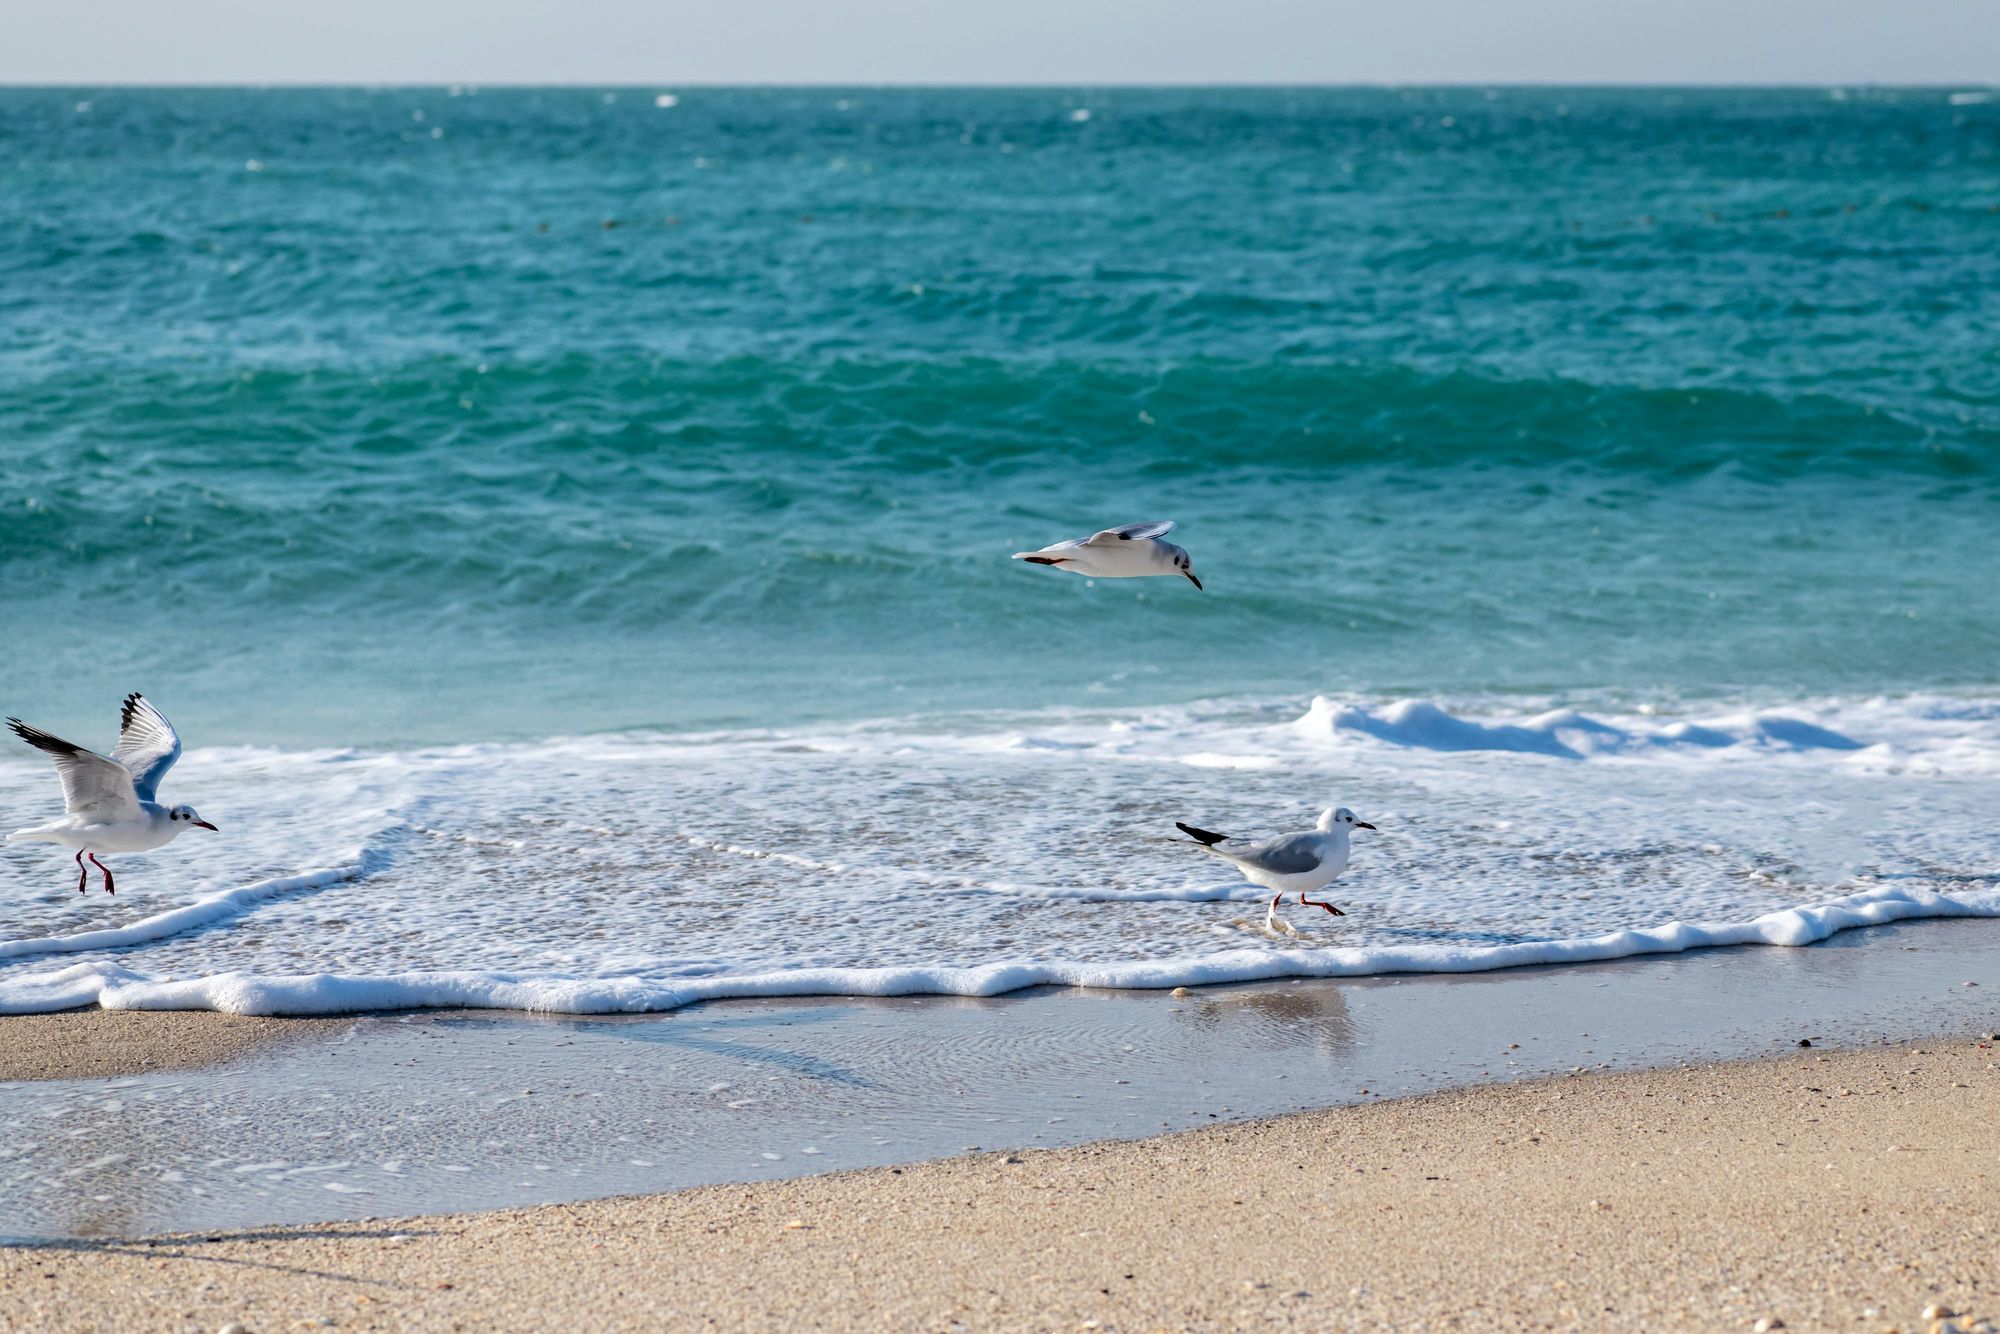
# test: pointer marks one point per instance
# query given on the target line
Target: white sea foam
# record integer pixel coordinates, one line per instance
(202, 912)
(331, 994)
(977, 855)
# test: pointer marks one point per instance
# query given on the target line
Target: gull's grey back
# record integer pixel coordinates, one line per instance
(1287, 854)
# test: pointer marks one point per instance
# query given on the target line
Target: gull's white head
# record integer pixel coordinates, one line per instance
(186, 817)
(1339, 817)
(1182, 562)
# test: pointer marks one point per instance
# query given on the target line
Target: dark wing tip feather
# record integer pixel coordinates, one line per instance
(43, 741)
(1201, 836)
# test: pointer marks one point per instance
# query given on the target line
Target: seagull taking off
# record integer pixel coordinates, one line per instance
(1290, 863)
(108, 803)
(1118, 553)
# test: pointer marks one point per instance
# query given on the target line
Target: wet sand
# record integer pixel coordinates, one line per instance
(434, 1113)
(101, 1044)
(1848, 1190)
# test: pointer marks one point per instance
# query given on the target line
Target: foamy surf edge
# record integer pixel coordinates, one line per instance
(202, 912)
(116, 988)
(71, 988)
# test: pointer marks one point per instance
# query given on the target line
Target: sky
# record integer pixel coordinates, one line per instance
(1087, 42)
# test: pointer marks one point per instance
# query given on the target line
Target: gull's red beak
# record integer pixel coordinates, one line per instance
(203, 824)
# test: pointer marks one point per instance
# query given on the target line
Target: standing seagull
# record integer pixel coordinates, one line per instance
(108, 803)
(1302, 863)
(1118, 553)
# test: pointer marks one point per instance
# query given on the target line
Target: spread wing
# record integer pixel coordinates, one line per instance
(93, 786)
(147, 745)
(1131, 532)
(1070, 545)
(1288, 854)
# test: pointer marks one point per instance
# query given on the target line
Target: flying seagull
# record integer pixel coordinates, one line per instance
(1118, 553)
(109, 803)
(1290, 863)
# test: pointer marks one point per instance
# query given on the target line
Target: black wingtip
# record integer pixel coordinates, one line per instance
(1201, 836)
(42, 741)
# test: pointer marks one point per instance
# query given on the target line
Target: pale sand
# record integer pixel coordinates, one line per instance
(1830, 1191)
(100, 1044)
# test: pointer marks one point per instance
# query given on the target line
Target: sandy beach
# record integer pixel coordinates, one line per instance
(1848, 1190)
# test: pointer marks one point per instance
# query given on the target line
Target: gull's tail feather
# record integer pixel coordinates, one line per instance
(1201, 836)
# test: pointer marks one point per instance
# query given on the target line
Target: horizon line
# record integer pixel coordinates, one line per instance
(914, 85)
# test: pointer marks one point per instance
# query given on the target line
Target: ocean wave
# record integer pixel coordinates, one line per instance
(739, 522)
(1909, 734)
(590, 415)
(1566, 733)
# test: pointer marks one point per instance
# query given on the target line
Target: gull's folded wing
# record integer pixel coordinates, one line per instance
(1288, 854)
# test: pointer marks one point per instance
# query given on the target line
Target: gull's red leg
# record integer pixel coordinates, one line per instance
(1303, 900)
(109, 886)
(82, 871)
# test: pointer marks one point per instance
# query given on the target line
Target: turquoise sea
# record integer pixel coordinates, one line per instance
(371, 416)
(604, 494)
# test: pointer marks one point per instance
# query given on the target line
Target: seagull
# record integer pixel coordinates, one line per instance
(1118, 553)
(108, 803)
(1290, 863)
